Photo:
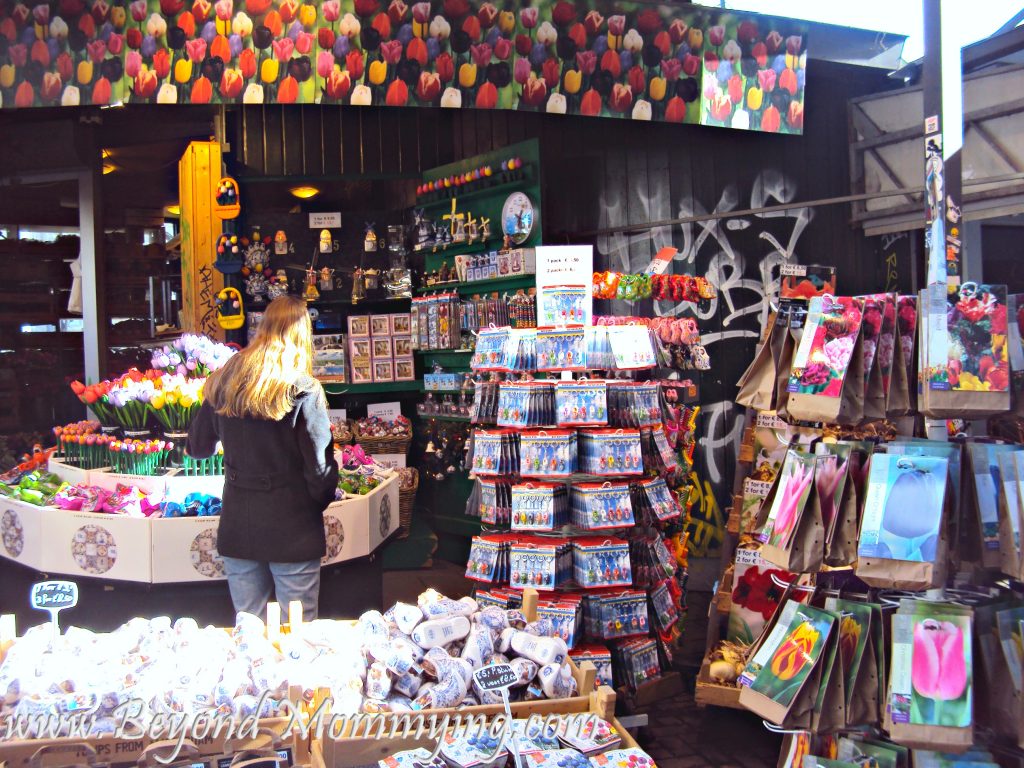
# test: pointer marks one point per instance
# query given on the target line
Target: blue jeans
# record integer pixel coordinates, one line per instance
(253, 583)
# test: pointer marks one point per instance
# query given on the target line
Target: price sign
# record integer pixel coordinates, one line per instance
(660, 263)
(54, 597)
(793, 270)
(325, 220)
(495, 677)
(499, 677)
(384, 411)
(564, 265)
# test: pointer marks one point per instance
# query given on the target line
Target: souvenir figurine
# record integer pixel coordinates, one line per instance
(424, 230)
(459, 235)
(311, 293)
(277, 285)
(256, 268)
(472, 232)
(326, 278)
(326, 245)
(280, 243)
(370, 239)
(358, 285)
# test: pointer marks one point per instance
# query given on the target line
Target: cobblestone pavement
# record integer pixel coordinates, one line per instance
(679, 734)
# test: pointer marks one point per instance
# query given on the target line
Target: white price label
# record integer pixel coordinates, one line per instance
(384, 411)
(325, 220)
(793, 270)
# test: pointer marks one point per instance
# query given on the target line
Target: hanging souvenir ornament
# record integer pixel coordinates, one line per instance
(370, 239)
(311, 293)
(326, 244)
(230, 312)
(227, 203)
(326, 278)
(280, 243)
(358, 285)
(277, 285)
(229, 254)
(256, 268)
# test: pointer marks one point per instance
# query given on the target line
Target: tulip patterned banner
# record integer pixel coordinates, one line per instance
(632, 60)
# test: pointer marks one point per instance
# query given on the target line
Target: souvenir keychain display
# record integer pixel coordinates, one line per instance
(653, 501)
(636, 661)
(543, 564)
(599, 656)
(614, 615)
(599, 349)
(548, 453)
(610, 452)
(496, 452)
(602, 563)
(652, 561)
(663, 607)
(634, 404)
(564, 305)
(489, 557)
(495, 501)
(539, 506)
(657, 454)
(565, 613)
(561, 349)
(598, 506)
(581, 403)
(526, 404)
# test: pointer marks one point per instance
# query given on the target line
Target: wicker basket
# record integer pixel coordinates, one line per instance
(378, 445)
(406, 501)
(342, 433)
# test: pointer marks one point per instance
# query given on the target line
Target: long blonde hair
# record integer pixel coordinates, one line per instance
(263, 379)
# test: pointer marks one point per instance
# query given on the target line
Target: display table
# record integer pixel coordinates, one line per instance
(170, 565)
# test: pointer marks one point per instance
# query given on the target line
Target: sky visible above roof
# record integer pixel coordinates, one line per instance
(971, 21)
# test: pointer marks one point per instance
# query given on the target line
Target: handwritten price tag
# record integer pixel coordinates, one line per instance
(54, 597)
(495, 677)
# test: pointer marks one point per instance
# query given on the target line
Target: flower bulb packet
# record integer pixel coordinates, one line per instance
(931, 692)
(902, 543)
(985, 477)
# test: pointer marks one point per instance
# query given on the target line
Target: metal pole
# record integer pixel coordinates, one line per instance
(90, 223)
(942, 82)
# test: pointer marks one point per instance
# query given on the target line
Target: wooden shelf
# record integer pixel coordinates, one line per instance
(338, 388)
(499, 284)
(499, 182)
(443, 417)
(459, 249)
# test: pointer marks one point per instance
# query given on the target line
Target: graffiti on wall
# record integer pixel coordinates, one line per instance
(741, 255)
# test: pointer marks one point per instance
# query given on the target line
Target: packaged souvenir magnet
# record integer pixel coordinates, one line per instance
(610, 452)
(495, 500)
(616, 614)
(655, 498)
(496, 452)
(548, 453)
(598, 506)
(561, 349)
(602, 563)
(543, 564)
(539, 506)
(666, 613)
(526, 404)
(581, 403)
(564, 305)
(632, 347)
(599, 656)
(599, 349)
(565, 615)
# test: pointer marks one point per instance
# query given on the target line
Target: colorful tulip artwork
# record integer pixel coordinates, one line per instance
(972, 355)
(819, 368)
(782, 670)
(640, 62)
(794, 488)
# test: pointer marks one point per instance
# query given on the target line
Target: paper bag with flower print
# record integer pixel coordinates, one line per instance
(857, 658)
(836, 498)
(780, 682)
(966, 371)
(931, 696)
(903, 387)
(830, 704)
(1010, 501)
(902, 541)
(877, 354)
(757, 384)
(792, 531)
(826, 381)
(796, 317)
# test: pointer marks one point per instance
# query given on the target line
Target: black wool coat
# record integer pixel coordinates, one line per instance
(279, 476)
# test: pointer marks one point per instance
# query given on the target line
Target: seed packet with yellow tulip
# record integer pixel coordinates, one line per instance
(931, 679)
(784, 663)
(854, 633)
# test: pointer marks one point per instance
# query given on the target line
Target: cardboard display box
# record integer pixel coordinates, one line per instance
(21, 532)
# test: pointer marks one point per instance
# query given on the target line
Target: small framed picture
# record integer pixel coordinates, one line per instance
(401, 325)
(361, 350)
(405, 370)
(359, 325)
(383, 370)
(380, 325)
(362, 374)
(403, 346)
(382, 349)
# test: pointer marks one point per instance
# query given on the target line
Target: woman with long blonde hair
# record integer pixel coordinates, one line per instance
(270, 415)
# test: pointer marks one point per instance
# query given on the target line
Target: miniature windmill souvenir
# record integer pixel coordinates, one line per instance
(485, 229)
(311, 293)
(472, 232)
(456, 224)
(424, 230)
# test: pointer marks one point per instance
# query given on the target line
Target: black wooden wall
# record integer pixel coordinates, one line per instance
(600, 174)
